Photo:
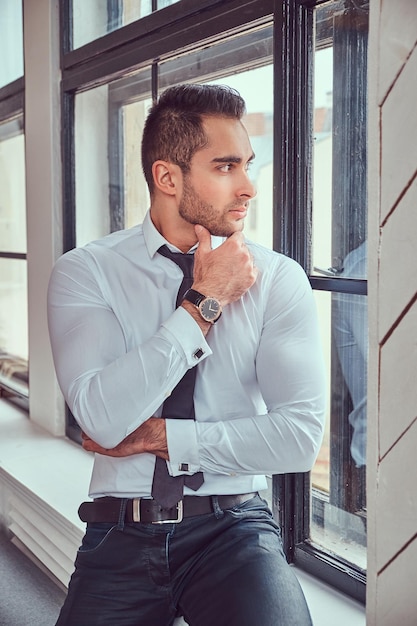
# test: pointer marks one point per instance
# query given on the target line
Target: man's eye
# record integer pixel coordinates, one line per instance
(226, 167)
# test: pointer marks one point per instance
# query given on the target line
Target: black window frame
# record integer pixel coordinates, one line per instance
(293, 203)
(184, 26)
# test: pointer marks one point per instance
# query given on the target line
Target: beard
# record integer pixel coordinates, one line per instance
(194, 210)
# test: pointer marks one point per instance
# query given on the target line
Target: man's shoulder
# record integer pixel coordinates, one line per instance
(269, 259)
(119, 239)
(120, 242)
(279, 272)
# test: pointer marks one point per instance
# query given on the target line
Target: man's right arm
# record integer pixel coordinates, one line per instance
(111, 391)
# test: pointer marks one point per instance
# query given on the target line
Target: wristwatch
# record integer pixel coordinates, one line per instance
(210, 309)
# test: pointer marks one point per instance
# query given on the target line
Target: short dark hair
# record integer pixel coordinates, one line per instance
(173, 129)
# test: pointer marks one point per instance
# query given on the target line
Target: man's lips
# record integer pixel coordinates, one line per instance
(239, 212)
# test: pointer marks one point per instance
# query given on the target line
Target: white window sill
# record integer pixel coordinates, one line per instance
(43, 480)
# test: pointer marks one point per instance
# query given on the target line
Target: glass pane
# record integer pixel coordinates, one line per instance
(11, 41)
(338, 519)
(136, 194)
(338, 516)
(12, 195)
(13, 308)
(339, 152)
(110, 188)
(92, 20)
(92, 165)
(322, 160)
(166, 3)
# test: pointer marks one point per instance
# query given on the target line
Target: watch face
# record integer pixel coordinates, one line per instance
(210, 309)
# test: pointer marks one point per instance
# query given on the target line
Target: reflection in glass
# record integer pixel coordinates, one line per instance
(350, 334)
(338, 519)
(11, 41)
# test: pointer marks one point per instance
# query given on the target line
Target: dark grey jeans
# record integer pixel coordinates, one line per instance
(222, 569)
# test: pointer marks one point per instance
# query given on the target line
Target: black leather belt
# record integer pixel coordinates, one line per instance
(150, 512)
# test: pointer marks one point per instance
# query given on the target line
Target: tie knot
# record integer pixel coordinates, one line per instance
(184, 261)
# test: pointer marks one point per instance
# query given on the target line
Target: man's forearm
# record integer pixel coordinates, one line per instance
(149, 437)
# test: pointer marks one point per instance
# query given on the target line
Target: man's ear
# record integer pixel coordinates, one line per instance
(167, 177)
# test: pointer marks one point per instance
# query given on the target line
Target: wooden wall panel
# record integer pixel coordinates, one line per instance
(398, 261)
(398, 137)
(398, 28)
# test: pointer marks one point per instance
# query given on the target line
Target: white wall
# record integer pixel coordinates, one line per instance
(392, 467)
(43, 199)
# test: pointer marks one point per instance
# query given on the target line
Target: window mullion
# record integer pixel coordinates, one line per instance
(293, 53)
(293, 58)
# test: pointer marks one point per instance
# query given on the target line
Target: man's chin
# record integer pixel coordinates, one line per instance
(228, 229)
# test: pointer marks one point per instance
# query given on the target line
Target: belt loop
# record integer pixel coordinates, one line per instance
(218, 511)
(122, 514)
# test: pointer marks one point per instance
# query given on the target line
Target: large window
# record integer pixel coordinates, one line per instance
(322, 206)
(310, 174)
(13, 270)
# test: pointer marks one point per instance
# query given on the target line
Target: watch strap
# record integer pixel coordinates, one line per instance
(193, 296)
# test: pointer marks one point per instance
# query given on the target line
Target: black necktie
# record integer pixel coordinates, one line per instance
(166, 489)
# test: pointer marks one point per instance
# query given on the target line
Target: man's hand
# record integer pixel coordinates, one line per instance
(149, 437)
(226, 272)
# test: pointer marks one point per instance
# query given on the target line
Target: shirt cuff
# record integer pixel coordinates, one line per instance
(187, 336)
(182, 447)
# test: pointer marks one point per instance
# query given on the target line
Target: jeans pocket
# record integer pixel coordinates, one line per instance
(255, 505)
(95, 536)
(254, 509)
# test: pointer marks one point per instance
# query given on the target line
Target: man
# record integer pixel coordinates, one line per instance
(123, 346)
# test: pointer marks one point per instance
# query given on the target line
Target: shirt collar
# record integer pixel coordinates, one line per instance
(154, 240)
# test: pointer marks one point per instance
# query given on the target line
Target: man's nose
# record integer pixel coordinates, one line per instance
(247, 188)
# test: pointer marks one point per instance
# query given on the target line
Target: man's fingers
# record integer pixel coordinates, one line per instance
(204, 238)
(238, 237)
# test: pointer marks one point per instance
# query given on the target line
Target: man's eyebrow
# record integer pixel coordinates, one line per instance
(231, 159)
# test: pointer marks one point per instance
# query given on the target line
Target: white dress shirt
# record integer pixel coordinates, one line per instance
(120, 347)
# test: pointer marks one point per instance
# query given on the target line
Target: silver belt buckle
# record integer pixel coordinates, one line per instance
(177, 520)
